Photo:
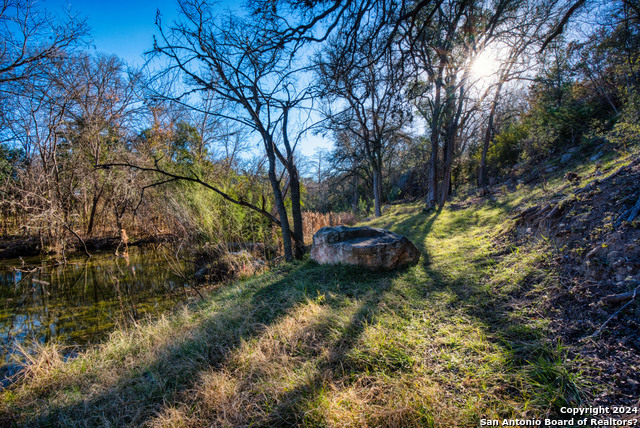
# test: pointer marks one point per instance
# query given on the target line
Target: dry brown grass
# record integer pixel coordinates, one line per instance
(312, 221)
(292, 374)
(314, 345)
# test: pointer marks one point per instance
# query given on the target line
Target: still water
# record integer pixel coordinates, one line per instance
(80, 302)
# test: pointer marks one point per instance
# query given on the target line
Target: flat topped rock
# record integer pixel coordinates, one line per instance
(363, 246)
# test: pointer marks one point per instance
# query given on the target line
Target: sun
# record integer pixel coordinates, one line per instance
(485, 64)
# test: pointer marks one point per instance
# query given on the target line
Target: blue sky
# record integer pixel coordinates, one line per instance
(121, 27)
(126, 28)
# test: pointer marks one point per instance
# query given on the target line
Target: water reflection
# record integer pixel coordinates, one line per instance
(79, 302)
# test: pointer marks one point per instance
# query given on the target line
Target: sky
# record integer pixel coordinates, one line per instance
(121, 27)
(126, 29)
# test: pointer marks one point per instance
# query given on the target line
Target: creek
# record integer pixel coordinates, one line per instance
(78, 303)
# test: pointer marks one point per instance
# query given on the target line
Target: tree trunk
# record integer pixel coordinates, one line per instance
(435, 130)
(482, 169)
(355, 194)
(377, 190)
(433, 173)
(452, 132)
(94, 206)
(296, 211)
(446, 183)
(118, 216)
(279, 201)
(294, 184)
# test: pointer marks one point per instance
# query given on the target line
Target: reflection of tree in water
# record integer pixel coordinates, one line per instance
(81, 301)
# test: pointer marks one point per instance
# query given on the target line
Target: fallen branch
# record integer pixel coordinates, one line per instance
(84, 245)
(554, 212)
(617, 298)
(598, 331)
(634, 211)
(621, 218)
(526, 212)
(620, 170)
(192, 178)
(544, 210)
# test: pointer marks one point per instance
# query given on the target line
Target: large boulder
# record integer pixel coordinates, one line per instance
(363, 246)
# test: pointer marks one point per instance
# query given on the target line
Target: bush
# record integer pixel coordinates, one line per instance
(505, 148)
(626, 132)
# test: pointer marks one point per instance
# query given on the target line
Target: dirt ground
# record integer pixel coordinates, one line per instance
(597, 256)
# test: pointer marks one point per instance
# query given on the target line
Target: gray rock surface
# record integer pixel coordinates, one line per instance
(363, 246)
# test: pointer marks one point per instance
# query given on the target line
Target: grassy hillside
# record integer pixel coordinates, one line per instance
(465, 334)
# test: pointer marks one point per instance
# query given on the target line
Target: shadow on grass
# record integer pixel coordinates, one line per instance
(292, 408)
(145, 390)
(535, 368)
(139, 395)
(531, 353)
(420, 223)
(538, 366)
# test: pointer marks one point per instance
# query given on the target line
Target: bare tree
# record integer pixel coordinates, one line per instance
(97, 120)
(31, 40)
(438, 54)
(235, 61)
(365, 100)
(44, 188)
(348, 162)
(516, 44)
(30, 36)
(442, 56)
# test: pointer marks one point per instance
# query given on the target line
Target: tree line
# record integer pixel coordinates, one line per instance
(206, 137)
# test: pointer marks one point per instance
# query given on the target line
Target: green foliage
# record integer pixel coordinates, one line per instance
(186, 144)
(210, 218)
(505, 148)
(364, 206)
(6, 159)
(588, 87)
(558, 117)
(626, 132)
(553, 381)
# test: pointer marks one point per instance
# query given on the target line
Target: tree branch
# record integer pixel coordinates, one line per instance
(194, 179)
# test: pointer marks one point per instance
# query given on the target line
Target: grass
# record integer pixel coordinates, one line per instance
(445, 343)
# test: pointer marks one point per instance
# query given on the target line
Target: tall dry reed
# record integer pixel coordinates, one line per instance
(312, 221)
